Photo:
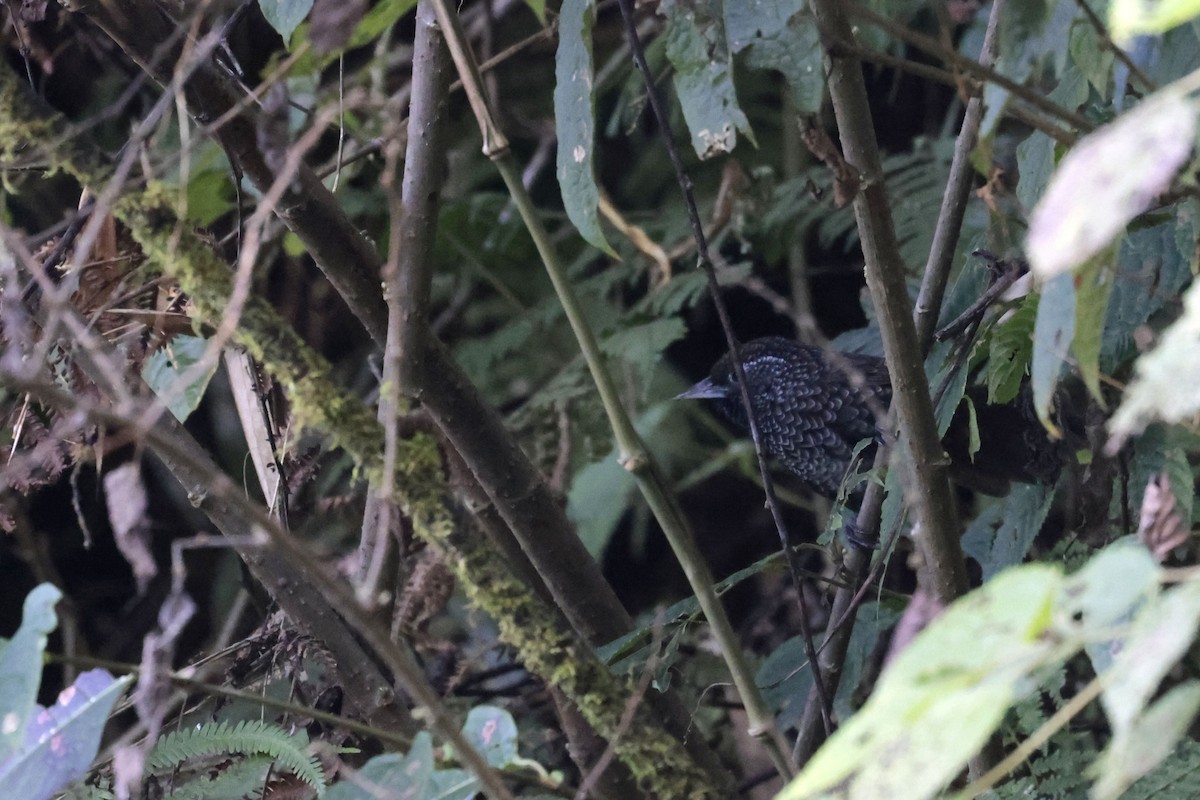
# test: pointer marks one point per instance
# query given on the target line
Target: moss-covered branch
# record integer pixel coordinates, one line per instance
(546, 645)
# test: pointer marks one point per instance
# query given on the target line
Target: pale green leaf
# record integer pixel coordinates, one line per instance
(166, 367)
(1148, 741)
(1093, 288)
(943, 696)
(1167, 380)
(1127, 18)
(285, 15)
(1107, 179)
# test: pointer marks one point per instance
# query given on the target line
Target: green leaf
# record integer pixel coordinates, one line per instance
(1093, 288)
(575, 121)
(538, 7)
(943, 696)
(1162, 633)
(209, 196)
(781, 35)
(1052, 335)
(1035, 164)
(1111, 586)
(163, 370)
(381, 17)
(1107, 179)
(1000, 537)
(1148, 741)
(1127, 18)
(493, 732)
(285, 15)
(21, 665)
(1154, 266)
(641, 346)
(697, 48)
(1167, 382)
(1010, 351)
(61, 741)
(1095, 61)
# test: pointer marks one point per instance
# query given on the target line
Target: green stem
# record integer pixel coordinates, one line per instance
(632, 452)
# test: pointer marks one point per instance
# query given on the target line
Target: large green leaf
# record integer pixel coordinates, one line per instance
(697, 48)
(575, 121)
(1109, 178)
(780, 35)
(942, 697)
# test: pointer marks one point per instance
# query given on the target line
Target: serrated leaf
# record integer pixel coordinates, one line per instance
(641, 346)
(942, 697)
(1107, 179)
(575, 121)
(1010, 352)
(1154, 266)
(1167, 382)
(1000, 537)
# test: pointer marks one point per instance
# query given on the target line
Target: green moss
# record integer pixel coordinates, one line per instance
(655, 758)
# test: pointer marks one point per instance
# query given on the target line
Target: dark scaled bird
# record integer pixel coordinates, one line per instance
(810, 412)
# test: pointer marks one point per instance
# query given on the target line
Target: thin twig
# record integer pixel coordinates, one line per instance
(954, 201)
(633, 454)
(933, 47)
(705, 263)
(1118, 51)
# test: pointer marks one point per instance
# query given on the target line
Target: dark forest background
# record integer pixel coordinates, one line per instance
(348, 435)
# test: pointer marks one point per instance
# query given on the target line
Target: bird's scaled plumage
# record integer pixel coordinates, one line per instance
(807, 403)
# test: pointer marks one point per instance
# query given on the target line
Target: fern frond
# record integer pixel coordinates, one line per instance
(249, 737)
(242, 779)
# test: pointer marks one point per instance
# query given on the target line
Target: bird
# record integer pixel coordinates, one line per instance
(814, 406)
(812, 410)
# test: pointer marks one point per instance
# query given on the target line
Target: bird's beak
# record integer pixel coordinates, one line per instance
(702, 391)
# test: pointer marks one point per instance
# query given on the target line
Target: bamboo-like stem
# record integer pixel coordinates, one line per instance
(632, 452)
(943, 568)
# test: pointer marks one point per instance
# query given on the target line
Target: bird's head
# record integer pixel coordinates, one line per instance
(764, 362)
